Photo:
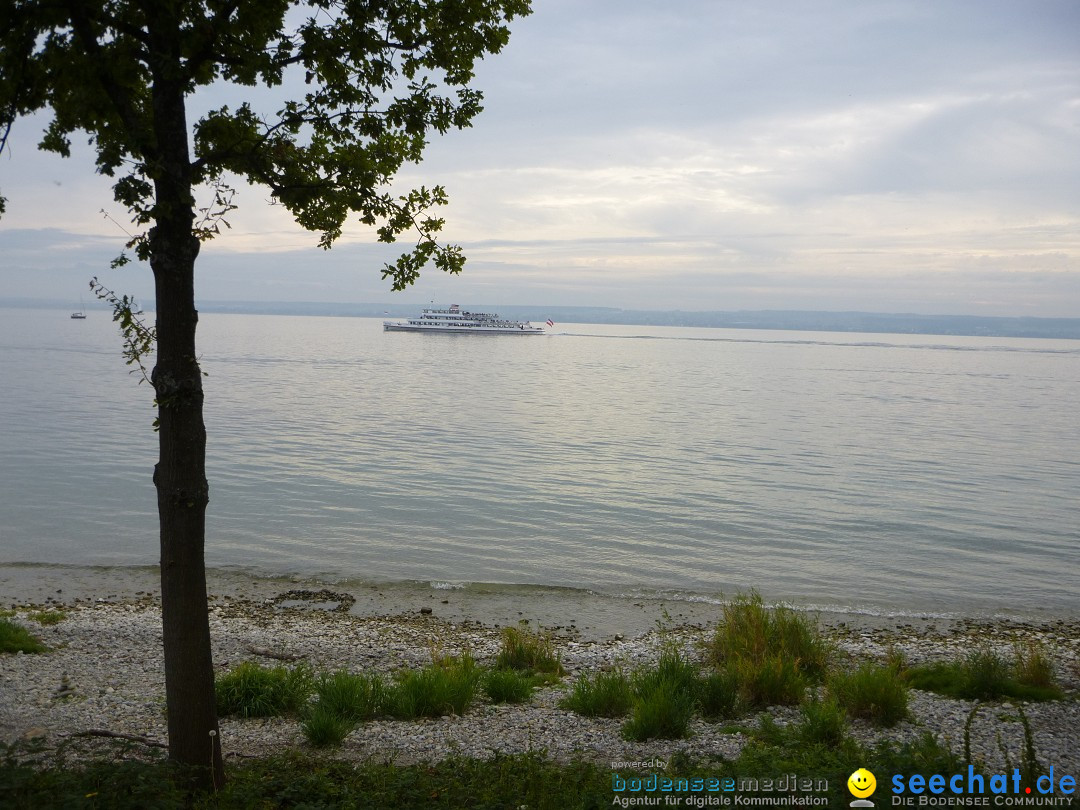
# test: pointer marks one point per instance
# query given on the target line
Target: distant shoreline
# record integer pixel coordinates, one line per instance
(780, 320)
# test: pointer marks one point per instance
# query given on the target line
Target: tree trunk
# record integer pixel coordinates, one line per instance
(180, 475)
(183, 493)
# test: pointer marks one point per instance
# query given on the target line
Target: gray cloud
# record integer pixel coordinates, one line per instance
(708, 154)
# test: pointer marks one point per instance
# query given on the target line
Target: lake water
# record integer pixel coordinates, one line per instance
(909, 473)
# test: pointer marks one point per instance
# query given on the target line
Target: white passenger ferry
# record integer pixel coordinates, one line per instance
(458, 320)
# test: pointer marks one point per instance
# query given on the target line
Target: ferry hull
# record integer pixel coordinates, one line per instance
(463, 330)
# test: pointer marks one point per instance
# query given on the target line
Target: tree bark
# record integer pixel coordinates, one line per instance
(183, 493)
(180, 475)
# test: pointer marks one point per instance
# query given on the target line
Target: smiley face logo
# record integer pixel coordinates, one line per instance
(861, 783)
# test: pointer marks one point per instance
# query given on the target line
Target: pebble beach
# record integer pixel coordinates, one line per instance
(104, 673)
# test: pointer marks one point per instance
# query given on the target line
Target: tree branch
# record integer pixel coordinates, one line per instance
(121, 99)
(128, 30)
(217, 25)
(7, 131)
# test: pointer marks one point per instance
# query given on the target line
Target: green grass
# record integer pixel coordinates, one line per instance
(508, 685)
(311, 781)
(872, 692)
(987, 675)
(664, 711)
(771, 681)
(522, 649)
(824, 722)
(672, 671)
(513, 781)
(605, 694)
(664, 698)
(342, 701)
(16, 638)
(749, 631)
(661, 699)
(1033, 666)
(355, 698)
(773, 654)
(718, 695)
(118, 785)
(445, 687)
(252, 690)
(323, 727)
(48, 617)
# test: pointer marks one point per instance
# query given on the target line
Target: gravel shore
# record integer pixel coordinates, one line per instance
(104, 673)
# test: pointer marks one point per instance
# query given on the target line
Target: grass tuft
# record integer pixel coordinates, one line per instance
(664, 711)
(749, 631)
(47, 618)
(718, 695)
(771, 681)
(508, 686)
(445, 687)
(773, 654)
(523, 649)
(353, 698)
(672, 671)
(324, 727)
(665, 697)
(824, 722)
(343, 700)
(15, 638)
(1033, 666)
(872, 692)
(606, 694)
(986, 675)
(252, 690)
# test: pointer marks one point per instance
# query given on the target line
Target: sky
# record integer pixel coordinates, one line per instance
(875, 155)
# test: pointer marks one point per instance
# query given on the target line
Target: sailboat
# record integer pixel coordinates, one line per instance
(81, 314)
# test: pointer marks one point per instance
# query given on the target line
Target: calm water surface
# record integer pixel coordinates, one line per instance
(881, 472)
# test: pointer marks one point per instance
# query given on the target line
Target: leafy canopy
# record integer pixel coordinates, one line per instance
(367, 81)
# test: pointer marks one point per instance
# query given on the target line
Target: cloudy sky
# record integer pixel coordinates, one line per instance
(880, 155)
